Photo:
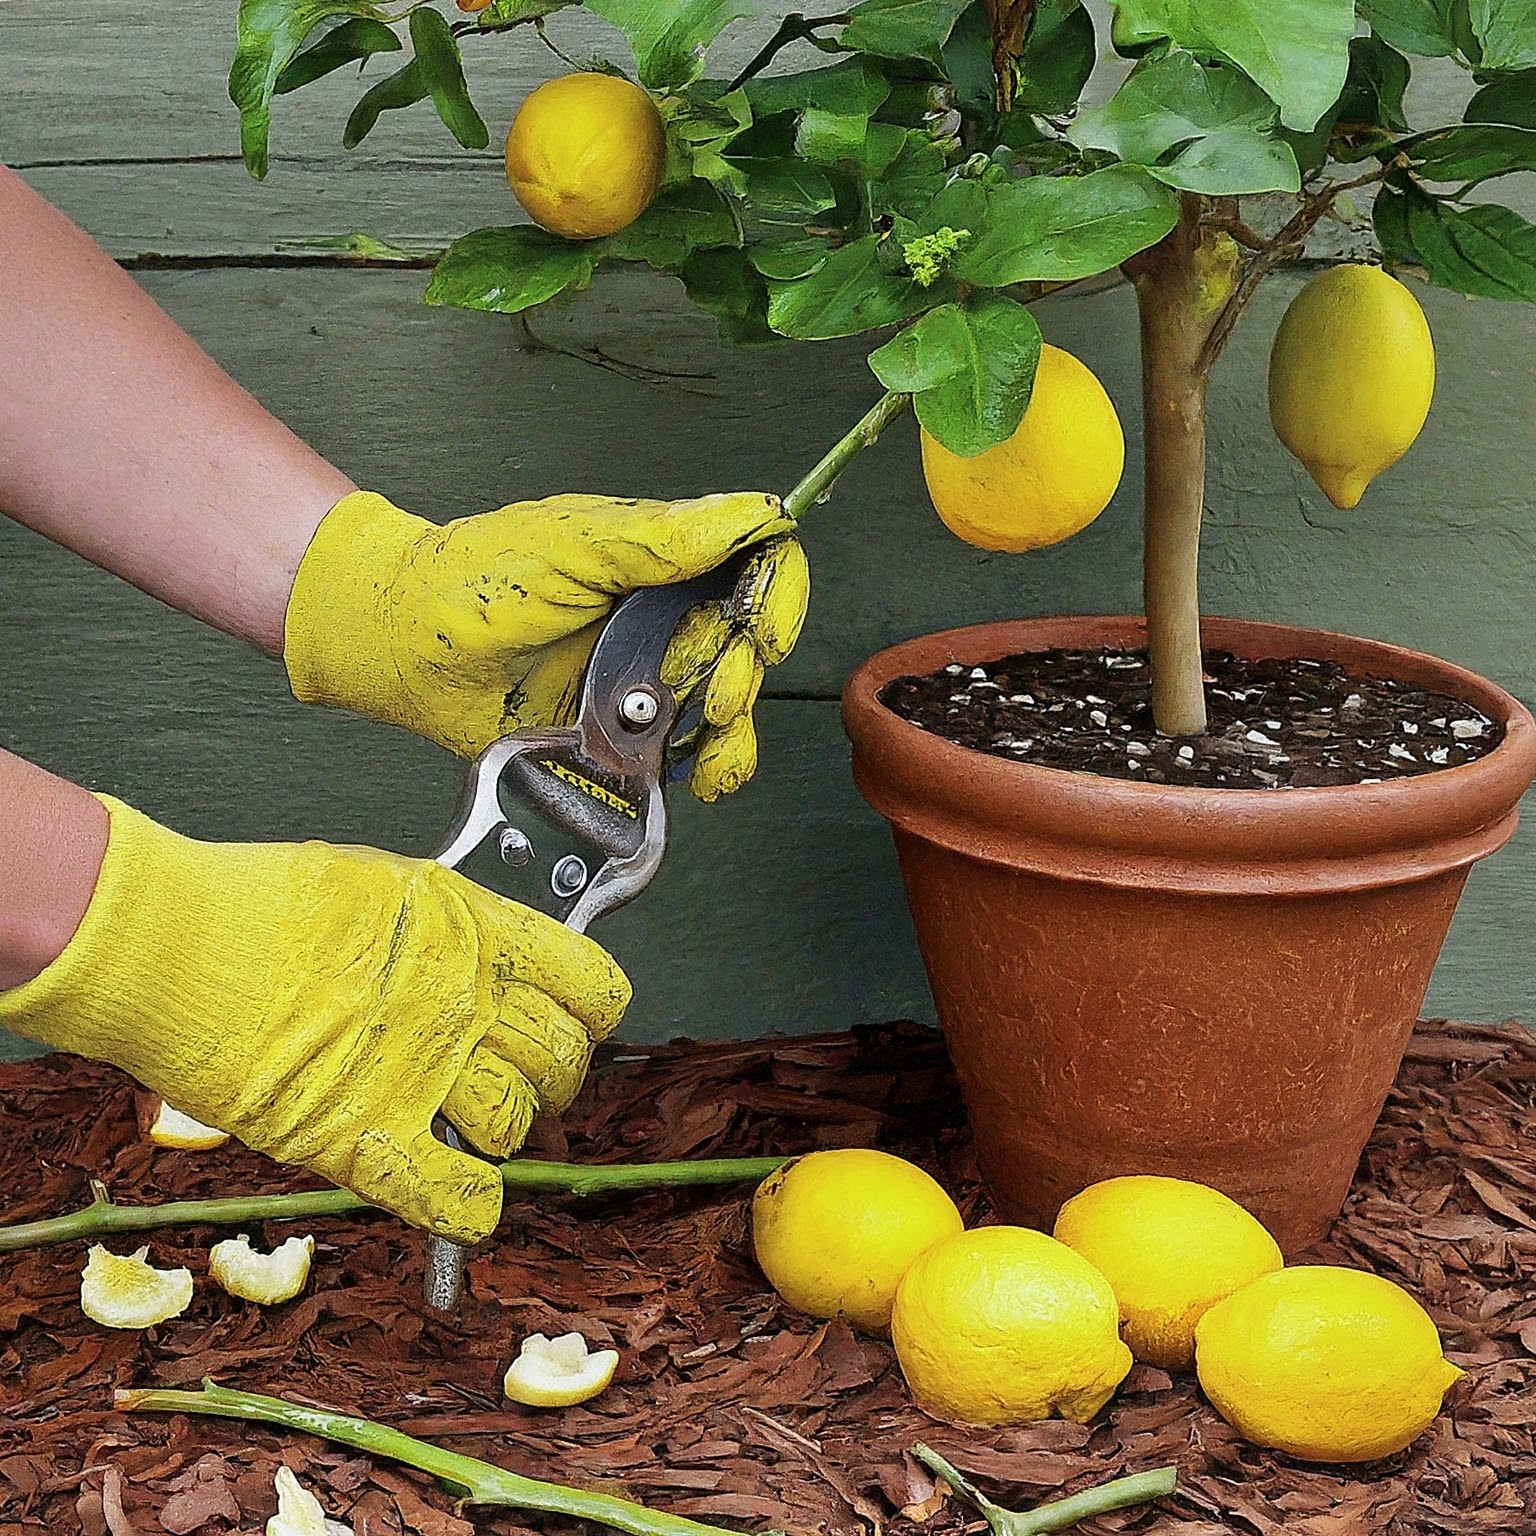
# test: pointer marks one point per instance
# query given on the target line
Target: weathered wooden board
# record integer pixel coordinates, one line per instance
(780, 910)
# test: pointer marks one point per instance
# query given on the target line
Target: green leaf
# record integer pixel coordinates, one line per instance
(1368, 113)
(725, 283)
(1424, 27)
(350, 43)
(960, 204)
(933, 349)
(1058, 57)
(1472, 152)
(679, 221)
(1201, 129)
(669, 38)
(853, 88)
(1486, 251)
(1298, 51)
(901, 29)
(437, 57)
(507, 270)
(788, 259)
(1378, 80)
(784, 190)
(1507, 31)
(848, 293)
(267, 35)
(1510, 100)
(828, 138)
(1057, 228)
(404, 88)
(983, 402)
(910, 181)
(507, 13)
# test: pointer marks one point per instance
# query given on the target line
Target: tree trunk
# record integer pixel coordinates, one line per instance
(1181, 284)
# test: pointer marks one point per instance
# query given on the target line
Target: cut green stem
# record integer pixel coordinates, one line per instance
(521, 1176)
(476, 1482)
(1122, 1493)
(863, 433)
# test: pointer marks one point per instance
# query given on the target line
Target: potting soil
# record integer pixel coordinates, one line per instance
(727, 1406)
(1272, 724)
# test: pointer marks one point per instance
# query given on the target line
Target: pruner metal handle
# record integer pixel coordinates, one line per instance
(579, 812)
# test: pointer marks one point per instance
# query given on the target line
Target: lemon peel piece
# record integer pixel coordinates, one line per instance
(299, 1512)
(126, 1291)
(267, 1278)
(555, 1373)
(173, 1128)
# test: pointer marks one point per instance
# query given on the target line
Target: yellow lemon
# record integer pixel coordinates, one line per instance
(267, 1278)
(555, 1373)
(1351, 374)
(1170, 1249)
(835, 1231)
(585, 155)
(1046, 482)
(1003, 1325)
(126, 1291)
(1327, 1364)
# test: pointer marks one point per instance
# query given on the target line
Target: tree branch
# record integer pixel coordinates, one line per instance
(1288, 242)
(795, 28)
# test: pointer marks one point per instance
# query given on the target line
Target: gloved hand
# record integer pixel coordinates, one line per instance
(466, 631)
(322, 1003)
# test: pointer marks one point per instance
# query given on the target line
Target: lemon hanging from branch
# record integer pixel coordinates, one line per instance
(585, 155)
(1047, 481)
(1351, 373)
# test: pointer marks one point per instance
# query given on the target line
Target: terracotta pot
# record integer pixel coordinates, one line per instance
(1213, 983)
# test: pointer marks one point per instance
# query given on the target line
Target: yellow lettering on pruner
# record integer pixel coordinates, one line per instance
(595, 791)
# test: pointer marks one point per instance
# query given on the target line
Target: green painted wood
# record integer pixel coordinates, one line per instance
(780, 910)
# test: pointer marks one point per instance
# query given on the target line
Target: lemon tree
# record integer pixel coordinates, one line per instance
(938, 167)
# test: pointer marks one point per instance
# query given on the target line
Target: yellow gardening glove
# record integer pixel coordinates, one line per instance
(466, 631)
(323, 1003)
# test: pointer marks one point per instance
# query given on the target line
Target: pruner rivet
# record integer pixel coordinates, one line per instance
(639, 708)
(568, 876)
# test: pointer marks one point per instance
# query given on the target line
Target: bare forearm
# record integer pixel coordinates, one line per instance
(53, 836)
(122, 440)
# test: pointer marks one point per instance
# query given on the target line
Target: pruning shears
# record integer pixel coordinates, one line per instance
(572, 820)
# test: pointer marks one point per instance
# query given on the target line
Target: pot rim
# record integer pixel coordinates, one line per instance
(1076, 824)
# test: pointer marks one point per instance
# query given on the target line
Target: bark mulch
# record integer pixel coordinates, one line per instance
(727, 1407)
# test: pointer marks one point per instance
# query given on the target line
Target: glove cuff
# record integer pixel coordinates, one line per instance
(92, 1000)
(338, 631)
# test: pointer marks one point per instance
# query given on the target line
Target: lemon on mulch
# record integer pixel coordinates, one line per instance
(555, 1373)
(585, 155)
(172, 1128)
(1171, 1249)
(1049, 480)
(1324, 1363)
(835, 1231)
(267, 1278)
(126, 1291)
(1004, 1325)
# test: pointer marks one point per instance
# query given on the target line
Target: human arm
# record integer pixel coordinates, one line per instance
(121, 439)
